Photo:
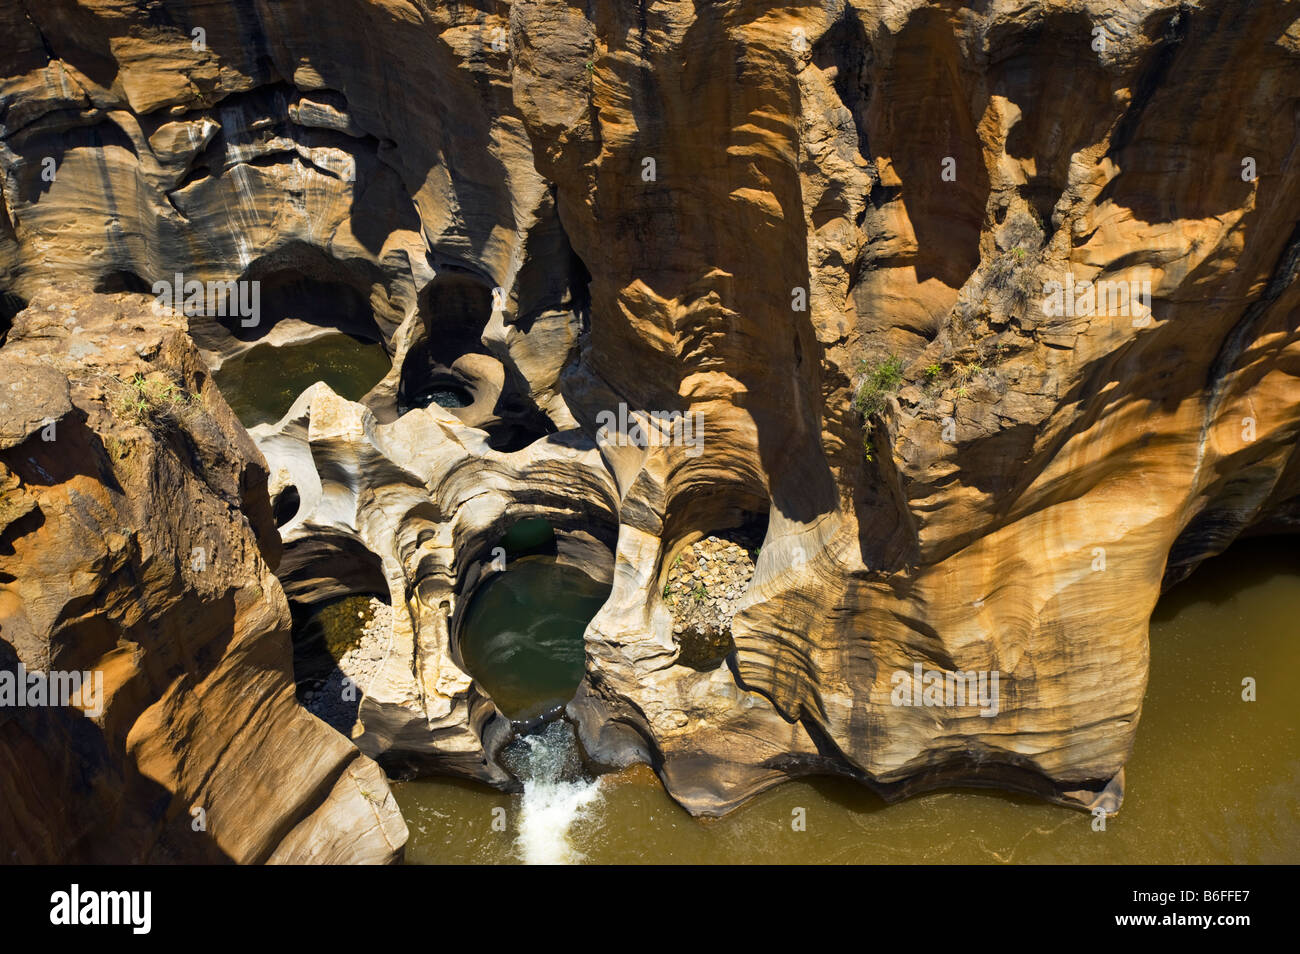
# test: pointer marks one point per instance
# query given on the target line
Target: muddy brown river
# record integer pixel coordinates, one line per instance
(1212, 778)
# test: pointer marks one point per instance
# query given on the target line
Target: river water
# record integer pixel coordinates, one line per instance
(522, 634)
(1212, 778)
(261, 384)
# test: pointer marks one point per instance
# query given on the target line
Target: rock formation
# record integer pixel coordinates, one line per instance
(988, 319)
(136, 541)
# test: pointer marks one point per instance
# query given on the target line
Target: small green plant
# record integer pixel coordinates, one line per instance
(868, 448)
(1013, 273)
(962, 390)
(933, 371)
(878, 383)
(699, 594)
(151, 402)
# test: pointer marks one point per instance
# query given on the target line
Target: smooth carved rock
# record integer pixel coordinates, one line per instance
(429, 498)
(828, 185)
(137, 543)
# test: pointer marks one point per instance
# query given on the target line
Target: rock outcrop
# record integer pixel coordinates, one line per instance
(427, 498)
(985, 319)
(136, 543)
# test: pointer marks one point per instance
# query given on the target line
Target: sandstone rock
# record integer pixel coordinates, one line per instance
(384, 170)
(145, 552)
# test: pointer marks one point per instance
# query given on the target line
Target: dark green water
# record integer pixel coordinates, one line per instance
(447, 397)
(521, 637)
(1212, 778)
(442, 396)
(531, 533)
(262, 383)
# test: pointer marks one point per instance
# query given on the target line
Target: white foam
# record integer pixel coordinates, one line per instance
(547, 815)
(552, 806)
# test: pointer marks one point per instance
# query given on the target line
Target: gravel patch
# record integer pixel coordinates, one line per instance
(704, 587)
(336, 698)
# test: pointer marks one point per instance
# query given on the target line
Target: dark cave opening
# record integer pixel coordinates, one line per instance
(123, 280)
(448, 364)
(10, 306)
(292, 294)
(285, 505)
(454, 309)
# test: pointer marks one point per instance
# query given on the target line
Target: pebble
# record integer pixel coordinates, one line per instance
(359, 665)
(723, 569)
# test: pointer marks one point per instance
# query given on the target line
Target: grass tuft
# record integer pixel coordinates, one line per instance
(879, 382)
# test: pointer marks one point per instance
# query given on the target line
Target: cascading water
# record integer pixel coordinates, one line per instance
(1174, 814)
(558, 794)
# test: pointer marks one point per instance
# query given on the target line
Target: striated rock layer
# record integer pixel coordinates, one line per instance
(827, 233)
(136, 541)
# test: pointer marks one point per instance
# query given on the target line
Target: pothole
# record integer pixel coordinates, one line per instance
(704, 585)
(521, 635)
(338, 649)
(443, 394)
(261, 384)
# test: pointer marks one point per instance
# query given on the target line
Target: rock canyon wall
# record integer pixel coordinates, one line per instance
(983, 320)
(137, 543)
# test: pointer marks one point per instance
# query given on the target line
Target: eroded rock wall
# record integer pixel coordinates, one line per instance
(828, 230)
(923, 170)
(136, 543)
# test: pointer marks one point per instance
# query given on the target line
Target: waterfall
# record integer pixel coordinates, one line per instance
(558, 794)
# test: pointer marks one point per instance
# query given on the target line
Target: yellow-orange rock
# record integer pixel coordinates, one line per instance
(743, 212)
(138, 544)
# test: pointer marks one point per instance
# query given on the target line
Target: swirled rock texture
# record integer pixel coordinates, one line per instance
(136, 542)
(985, 320)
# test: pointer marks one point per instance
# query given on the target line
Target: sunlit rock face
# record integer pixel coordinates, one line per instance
(138, 546)
(983, 322)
